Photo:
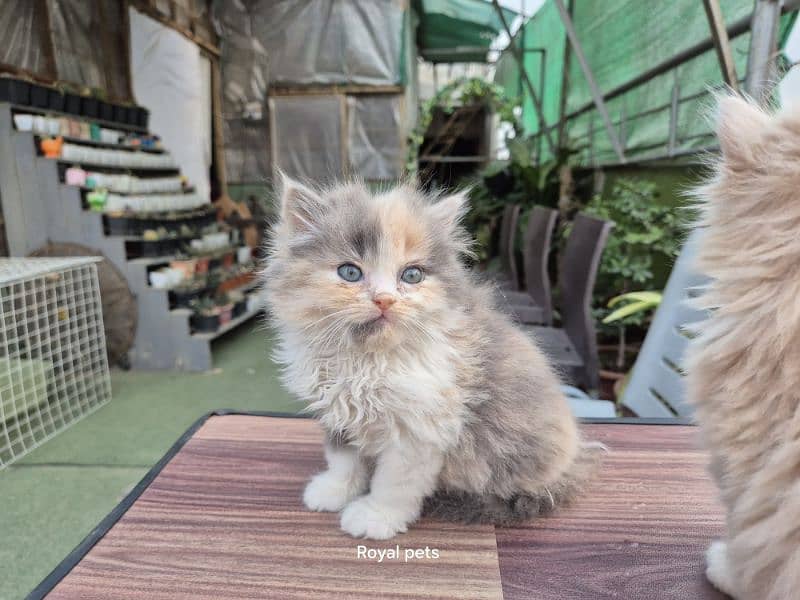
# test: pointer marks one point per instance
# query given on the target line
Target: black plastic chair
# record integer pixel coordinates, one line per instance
(534, 305)
(573, 347)
(508, 276)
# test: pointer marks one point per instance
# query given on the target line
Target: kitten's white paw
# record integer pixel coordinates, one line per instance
(327, 492)
(366, 518)
(718, 569)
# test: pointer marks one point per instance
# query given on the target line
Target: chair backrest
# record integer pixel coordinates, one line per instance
(535, 253)
(508, 230)
(578, 274)
(656, 387)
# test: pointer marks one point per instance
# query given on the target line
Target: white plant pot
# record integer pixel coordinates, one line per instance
(23, 122)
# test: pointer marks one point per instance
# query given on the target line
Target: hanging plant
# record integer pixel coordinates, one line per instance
(460, 92)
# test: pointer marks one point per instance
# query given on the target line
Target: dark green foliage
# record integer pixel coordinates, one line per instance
(646, 232)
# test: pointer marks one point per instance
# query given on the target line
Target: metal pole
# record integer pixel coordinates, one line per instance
(722, 43)
(763, 45)
(673, 116)
(542, 63)
(537, 103)
(587, 72)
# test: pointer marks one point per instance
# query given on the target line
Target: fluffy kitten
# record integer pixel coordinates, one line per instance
(426, 392)
(744, 367)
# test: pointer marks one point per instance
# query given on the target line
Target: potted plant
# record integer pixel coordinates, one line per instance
(205, 318)
(39, 95)
(202, 265)
(117, 223)
(15, 91)
(72, 99)
(185, 294)
(186, 266)
(51, 147)
(239, 303)
(225, 309)
(56, 98)
(89, 104)
(105, 110)
(141, 116)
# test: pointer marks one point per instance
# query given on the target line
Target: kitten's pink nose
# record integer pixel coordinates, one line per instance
(384, 301)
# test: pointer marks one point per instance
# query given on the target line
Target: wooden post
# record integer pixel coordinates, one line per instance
(217, 124)
(722, 43)
(587, 72)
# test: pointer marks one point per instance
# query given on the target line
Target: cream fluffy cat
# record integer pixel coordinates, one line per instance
(744, 367)
(428, 395)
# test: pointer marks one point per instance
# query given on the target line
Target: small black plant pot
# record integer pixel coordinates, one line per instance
(204, 323)
(90, 107)
(142, 116)
(56, 100)
(120, 114)
(15, 91)
(183, 298)
(39, 96)
(239, 309)
(72, 104)
(105, 110)
(119, 226)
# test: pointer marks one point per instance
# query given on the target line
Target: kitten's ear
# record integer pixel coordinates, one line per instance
(740, 128)
(449, 210)
(301, 207)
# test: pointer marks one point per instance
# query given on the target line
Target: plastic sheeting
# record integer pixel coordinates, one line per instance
(307, 136)
(89, 43)
(247, 151)
(23, 37)
(173, 80)
(375, 138)
(310, 42)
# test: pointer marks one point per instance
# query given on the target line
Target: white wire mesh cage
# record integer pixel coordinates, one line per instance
(53, 364)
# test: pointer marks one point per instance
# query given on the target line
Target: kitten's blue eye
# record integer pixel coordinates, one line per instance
(412, 275)
(349, 272)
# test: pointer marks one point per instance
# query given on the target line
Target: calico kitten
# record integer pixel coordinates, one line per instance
(426, 392)
(744, 367)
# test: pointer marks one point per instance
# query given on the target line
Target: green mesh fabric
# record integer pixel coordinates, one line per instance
(623, 39)
(448, 24)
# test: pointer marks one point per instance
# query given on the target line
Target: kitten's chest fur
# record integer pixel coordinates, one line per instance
(372, 398)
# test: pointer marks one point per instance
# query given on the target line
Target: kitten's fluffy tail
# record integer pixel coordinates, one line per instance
(466, 507)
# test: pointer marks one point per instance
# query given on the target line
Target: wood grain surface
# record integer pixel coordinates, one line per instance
(224, 519)
(638, 532)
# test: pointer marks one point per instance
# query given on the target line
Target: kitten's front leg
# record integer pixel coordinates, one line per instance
(405, 474)
(346, 478)
(718, 568)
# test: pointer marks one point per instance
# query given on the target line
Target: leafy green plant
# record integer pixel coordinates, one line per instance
(645, 231)
(632, 303)
(204, 306)
(459, 92)
(646, 234)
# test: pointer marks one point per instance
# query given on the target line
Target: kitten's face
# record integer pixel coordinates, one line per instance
(350, 267)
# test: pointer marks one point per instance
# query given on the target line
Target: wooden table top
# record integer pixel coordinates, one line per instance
(221, 517)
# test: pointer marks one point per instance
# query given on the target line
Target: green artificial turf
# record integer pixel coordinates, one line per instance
(53, 497)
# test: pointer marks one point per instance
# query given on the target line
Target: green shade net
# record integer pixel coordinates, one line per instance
(622, 39)
(445, 25)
